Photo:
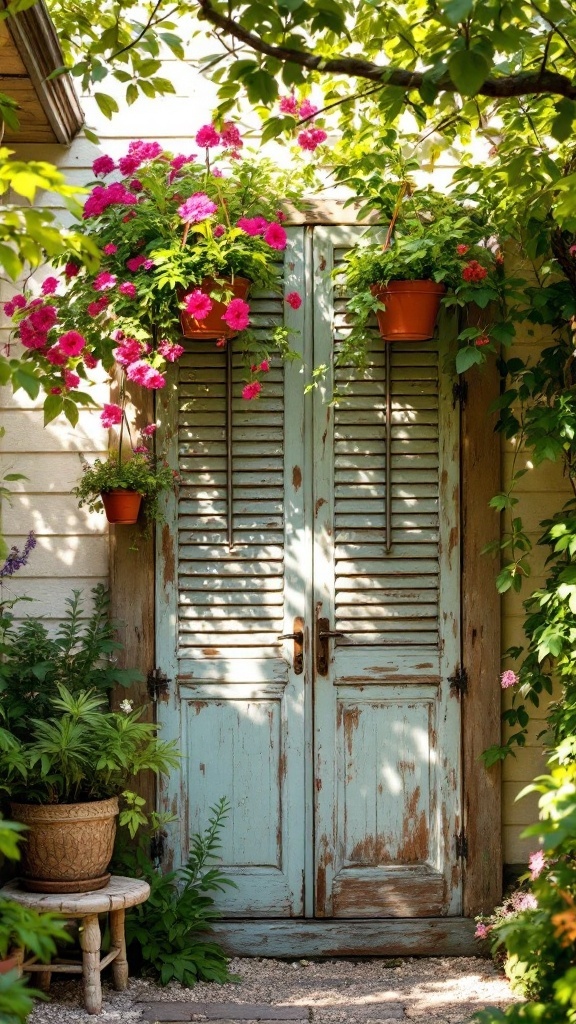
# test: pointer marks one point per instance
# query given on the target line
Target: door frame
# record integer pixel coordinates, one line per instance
(134, 573)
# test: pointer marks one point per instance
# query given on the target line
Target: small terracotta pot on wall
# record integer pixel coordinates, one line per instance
(213, 326)
(121, 506)
(411, 309)
(12, 962)
(68, 846)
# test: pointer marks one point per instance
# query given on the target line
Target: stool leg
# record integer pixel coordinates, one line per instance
(118, 939)
(43, 979)
(90, 943)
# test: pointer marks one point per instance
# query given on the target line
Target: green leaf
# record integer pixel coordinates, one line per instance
(467, 357)
(131, 94)
(261, 87)
(106, 103)
(10, 262)
(468, 70)
(561, 127)
(52, 408)
(22, 378)
(457, 10)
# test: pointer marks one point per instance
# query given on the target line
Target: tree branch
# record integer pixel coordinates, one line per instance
(522, 84)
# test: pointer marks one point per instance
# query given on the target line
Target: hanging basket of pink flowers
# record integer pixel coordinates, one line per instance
(181, 240)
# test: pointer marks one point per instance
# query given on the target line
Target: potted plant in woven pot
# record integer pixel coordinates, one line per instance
(178, 240)
(432, 254)
(67, 761)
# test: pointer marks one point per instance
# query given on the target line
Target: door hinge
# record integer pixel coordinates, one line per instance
(460, 393)
(158, 684)
(462, 845)
(459, 681)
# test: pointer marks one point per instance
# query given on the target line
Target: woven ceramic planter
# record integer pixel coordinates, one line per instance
(68, 846)
(213, 326)
(411, 309)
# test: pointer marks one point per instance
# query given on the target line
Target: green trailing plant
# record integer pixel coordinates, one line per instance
(140, 472)
(167, 935)
(80, 654)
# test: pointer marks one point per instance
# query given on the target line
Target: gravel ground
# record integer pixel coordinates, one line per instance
(423, 990)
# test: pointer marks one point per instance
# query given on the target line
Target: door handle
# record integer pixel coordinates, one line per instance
(323, 634)
(298, 637)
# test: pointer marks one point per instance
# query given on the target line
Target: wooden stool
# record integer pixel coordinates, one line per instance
(114, 899)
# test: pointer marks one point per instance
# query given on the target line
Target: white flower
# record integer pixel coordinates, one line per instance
(126, 706)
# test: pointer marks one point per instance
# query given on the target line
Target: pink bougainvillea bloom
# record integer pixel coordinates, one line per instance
(111, 415)
(135, 185)
(198, 304)
(71, 379)
(275, 235)
(145, 150)
(474, 271)
(71, 269)
(49, 285)
(289, 105)
(237, 315)
(104, 280)
(294, 299)
(128, 352)
(128, 289)
(103, 196)
(536, 864)
(71, 343)
(31, 338)
(251, 390)
(307, 109)
(462, 249)
(231, 136)
(482, 340)
(219, 230)
(95, 308)
(280, 215)
(264, 366)
(198, 207)
(110, 249)
(207, 136)
(482, 931)
(56, 356)
(43, 318)
(9, 308)
(180, 160)
(142, 373)
(90, 361)
(310, 138)
(217, 173)
(508, 678)
(252, 225)
(19, 302)
(129, 164)
(149, 430)
(55, 391)
(135, 262)
(103, 165)
(170, 350)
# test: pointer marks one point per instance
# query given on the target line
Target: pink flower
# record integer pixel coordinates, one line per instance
(180, 160)
(55, 391)
(135, 185)
(110, 249)
(9, 308)
(56, 356)
(217, 173)
(462, 249)
(198, 304)
(289, 105)
(508, 678)
(253, 225)
(71, 379)
(237, 314)
(103, 165)
(170, 350)
(43, 318)
(482, 340)
(231, 136)
(128, 164)
(198, 207)
(310, 138)
(142, 373)
(103, 196)
(251, 390)
(128, 352)
(149, 430)
(111, 415)
(129, 289)
(71, 269)
(89, 360)
(71, 343)
(280, 215)
(103, 280)
(135, 262)
(49, 285)
(536, 863)
(141, 449)
(32, 339)
(307, 109)
(264, 366)
(207, 136)
(521, 901)
(219, 230)
(145, 150)
(474, 271)
(95, 308)
(294, 299)
(482, 931)
(275, 236)
(19, 302)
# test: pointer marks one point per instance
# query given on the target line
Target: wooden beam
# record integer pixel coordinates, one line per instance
(481, 642)
(37, 44)
(425, 936)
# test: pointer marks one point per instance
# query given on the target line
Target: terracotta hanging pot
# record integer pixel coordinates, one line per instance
(68, 846)
(411, 309)
(213, 326)
(12, 962)
(121, 506)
